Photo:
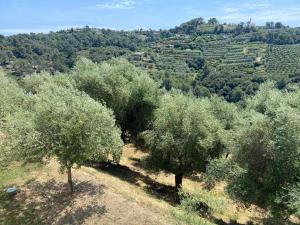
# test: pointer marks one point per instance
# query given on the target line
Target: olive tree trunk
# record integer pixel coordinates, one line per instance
(178, 180)
(70, 182)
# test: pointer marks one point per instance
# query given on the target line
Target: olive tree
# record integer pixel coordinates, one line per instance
(129, 92)
(266, 159)
(184, 135)
(66, 124)
(11, 95)
(32, 83)
(106, 82)
(12, 99)
(269, 143)
(268, 151)
(143, 100)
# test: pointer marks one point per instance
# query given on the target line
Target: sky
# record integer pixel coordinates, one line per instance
(25, 16)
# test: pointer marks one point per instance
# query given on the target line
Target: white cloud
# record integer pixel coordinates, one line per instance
(256, 5)
(124, 4)
(230, 10)
(260, 11)
(286, 14)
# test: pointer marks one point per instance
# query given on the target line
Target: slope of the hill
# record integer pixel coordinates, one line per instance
(231, 60)
(124, 194)
(99, 198)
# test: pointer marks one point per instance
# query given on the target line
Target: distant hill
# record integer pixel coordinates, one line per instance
(202, 57)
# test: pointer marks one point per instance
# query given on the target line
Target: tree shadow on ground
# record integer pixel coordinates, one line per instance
(270, 220)
(49, 203)
(231, 222)
(151, 186)
(276, 221)
(145, 164)
(162, 191)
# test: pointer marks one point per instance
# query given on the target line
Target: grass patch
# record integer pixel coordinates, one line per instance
(12, 211)
(17, 172)
(184, 217)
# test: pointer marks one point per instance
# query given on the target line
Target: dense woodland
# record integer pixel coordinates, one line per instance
(218, 99)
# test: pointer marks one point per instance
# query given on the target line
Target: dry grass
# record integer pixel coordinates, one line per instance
(99, 198)
(234, 211)
(124, 194)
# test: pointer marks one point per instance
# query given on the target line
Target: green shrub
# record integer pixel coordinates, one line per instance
(294, 199)
(201, 202)
(183, 218)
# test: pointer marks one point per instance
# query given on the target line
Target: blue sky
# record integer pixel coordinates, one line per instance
(24, 16)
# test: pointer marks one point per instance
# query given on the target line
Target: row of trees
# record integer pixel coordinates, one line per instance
(166, 54)
(280, 36)
(254, 146)
(272, 33)
(24, 54)
(263, 166)
(75, 117)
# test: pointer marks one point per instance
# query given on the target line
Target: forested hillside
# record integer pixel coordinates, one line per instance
(231, 60)
(82, 119)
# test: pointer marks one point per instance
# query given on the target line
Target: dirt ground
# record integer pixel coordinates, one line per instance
(126, 194)
(99, 198)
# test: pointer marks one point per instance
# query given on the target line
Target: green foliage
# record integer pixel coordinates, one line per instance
(131, 94)
(67, 124)
(32, 83)
(23, 140)
(143, 100)
(189, 27)
(278, 35)
(108, 83)
(11, 96)
(222, 169)
(226, 112)
(183, 217)
(269, 152)
(254, 147)
(80, 127)
(230, 60)
(184, 134)
(265, 159)
(28, 53)
(294, 199)
(102, 54)
(12, 99)
(201, 202)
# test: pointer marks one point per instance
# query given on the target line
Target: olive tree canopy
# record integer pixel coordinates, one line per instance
(67, 124)
(184, 135)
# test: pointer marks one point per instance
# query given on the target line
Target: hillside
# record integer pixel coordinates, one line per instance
(127, 194)
(99, 199)
(232, 163)
(203, 57)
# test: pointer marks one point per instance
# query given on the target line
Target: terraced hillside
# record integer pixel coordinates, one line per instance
(283, 60)
(223, 64)
(205, 58)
